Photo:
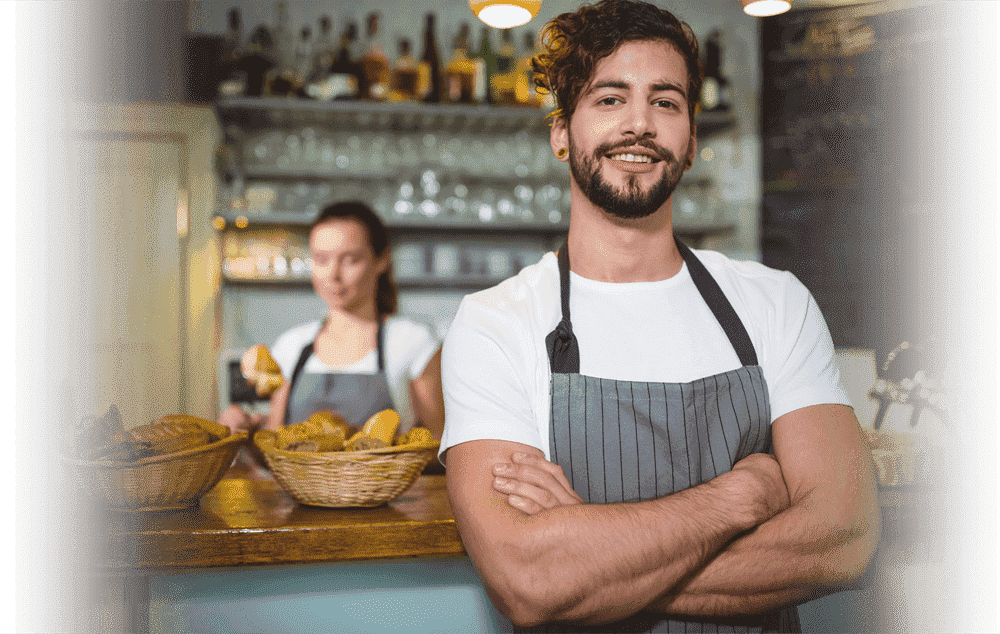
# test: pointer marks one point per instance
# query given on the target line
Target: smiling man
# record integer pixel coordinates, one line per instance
(680, 454)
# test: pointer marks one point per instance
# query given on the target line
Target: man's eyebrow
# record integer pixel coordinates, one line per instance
(670, 86)
(622, 85)
(608, 83)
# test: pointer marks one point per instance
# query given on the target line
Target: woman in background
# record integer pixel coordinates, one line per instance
(361, 358)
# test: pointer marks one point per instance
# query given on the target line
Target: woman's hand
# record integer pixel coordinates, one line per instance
(237, 420)
(533, 484)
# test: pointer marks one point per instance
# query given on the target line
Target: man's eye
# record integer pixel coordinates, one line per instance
(609, 101)
(664, 103)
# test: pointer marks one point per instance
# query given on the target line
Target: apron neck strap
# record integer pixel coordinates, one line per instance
(308, 350)
(564, 351)
(720, 306)
(301, 363)
(378, 346)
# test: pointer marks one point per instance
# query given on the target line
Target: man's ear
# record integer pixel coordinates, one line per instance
(692, 152)
(559, 139)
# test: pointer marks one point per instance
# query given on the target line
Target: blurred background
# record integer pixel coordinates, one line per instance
(168, 157)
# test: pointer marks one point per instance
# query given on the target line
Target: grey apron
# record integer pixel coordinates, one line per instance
(356, 397)
(628, 441)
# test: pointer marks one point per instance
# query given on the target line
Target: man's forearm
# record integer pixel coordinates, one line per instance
(795, 556)
(601, 563)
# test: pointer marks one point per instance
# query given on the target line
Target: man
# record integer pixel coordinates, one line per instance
(680, 453)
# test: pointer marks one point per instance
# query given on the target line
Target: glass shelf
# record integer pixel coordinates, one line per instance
(241, 115)
(299, 220)
(461, 282)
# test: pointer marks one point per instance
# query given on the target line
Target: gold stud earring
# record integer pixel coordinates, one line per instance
(561, 154)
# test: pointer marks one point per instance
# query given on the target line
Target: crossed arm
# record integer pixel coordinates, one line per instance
(772, 532)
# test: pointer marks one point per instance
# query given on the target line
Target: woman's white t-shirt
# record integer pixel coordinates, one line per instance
(495, 367)
(408, 346)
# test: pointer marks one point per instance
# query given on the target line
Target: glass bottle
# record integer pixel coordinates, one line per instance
(410, 79)
(716, 90)
(502, 87)
(346, 71)
(258, 62)
(524, 75)
(374, 63)
(489, 63)
(303, 61)
(233, 80)
(323, 52)
(431, 58)
(461, 73)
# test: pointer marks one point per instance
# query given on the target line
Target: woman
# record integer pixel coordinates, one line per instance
(360, 359)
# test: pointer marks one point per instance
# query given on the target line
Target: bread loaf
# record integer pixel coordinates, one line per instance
(261, 371)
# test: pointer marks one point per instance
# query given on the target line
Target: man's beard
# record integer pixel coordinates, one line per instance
(633, 202)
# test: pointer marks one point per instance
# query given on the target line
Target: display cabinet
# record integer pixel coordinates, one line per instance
(470, 193)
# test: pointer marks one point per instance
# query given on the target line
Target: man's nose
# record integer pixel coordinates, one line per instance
(637, 120)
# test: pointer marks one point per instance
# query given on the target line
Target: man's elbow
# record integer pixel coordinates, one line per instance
(525, 598)
(857, 542)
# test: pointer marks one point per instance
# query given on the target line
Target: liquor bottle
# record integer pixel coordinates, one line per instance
(431, 58)
(374, 63)
(489, 62)
(411, 79)
(323, 52)
(524, 75)
(281, 81)
(502, 85)
(346, 71)
(258, 62)
(460, 82)
(716, 91)
(233, 80)
(303, 61)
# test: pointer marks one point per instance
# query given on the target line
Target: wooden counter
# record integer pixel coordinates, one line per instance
(249, 519)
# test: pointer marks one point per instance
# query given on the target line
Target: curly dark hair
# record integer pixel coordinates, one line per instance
(573, 43)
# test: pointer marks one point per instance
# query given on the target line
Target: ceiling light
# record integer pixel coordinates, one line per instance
(764, 8)
(504, 14)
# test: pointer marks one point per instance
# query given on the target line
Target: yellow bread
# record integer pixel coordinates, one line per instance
(261, 370)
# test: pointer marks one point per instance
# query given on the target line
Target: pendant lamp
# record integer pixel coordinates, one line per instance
(764, 8)
(504, 14)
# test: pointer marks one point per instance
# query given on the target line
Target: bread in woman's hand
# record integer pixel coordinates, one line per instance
(261, 371)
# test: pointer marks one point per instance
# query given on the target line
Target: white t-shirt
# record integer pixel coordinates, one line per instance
(409, 345)
(495, 367)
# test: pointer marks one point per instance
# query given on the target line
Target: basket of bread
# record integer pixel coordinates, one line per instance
(167, 464)
(322, 461)
(908, 439)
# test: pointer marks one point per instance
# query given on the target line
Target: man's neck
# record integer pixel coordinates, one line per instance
(610, 249)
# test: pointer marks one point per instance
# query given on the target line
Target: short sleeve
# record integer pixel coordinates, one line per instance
(803, 354)
(412, 343)
(487, 393)
(288, 346)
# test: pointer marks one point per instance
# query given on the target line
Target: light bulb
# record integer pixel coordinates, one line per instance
(505, 14)
(764, 8)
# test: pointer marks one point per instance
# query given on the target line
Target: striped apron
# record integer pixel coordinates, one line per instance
(628, 441)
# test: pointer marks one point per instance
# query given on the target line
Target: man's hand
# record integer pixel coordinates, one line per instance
(532, 484)
(766, 473)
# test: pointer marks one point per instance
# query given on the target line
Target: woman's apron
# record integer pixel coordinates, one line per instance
(356, 397)
(628, 441)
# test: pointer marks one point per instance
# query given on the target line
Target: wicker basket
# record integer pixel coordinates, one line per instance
(900, 458)
(342, 479)
(166, 482)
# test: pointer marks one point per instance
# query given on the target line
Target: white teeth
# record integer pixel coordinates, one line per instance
(632, 158)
